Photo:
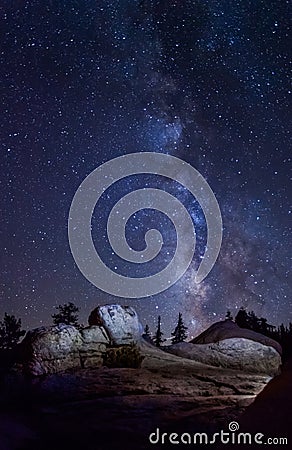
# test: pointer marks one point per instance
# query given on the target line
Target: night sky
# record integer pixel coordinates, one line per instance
(207, 81)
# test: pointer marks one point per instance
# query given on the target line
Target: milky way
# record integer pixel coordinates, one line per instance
(206, 81)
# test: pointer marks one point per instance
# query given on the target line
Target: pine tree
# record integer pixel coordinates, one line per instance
(147, 331)
(68, 314)
(180, 332)
(253, 321)
(147, 335)
(242, 318)
(158, 335)
(10, 332)
(282, 331)
(263, 325)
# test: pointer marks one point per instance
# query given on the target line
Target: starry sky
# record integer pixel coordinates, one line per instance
(207, 81)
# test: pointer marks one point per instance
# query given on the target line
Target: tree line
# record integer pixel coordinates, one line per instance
(179, 333)
(10, 326)
(281, 334)
(11, 332)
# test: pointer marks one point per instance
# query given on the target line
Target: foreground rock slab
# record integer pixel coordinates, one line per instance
(101, 408)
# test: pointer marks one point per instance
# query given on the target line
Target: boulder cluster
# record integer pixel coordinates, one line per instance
(225, 344)
(48, 350)
(60, 347)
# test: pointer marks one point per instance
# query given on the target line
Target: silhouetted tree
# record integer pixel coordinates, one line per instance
(283, 330)
(282, 334)
(68, 314)
(158, 334)
(248, 320)
(10, 332)
(263, 325)
(180, 332)
(242, 318)
(147, 335)
(253, 321)
(147, 331)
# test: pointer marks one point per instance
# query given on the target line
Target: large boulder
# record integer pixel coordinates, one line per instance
(94, 344)
(120, 322)
(47, 350)
(228, 329)
(51, 349)
(243, 355)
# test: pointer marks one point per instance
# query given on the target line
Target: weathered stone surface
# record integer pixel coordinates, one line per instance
(61, 347)
(120, 322)
(93, 335)
(51, 349)
(228, 329)
(243, 355)
(57, 348)
(94, 344)
(119, 408)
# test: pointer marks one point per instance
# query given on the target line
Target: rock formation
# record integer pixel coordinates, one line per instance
(119, 407)
(54, 349)
(121, 323)
(229, 329)
(240, 354)
(51, 349)
(94, 344)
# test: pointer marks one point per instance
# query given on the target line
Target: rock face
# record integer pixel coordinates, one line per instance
(51, 349)
(54, 349)
(243, 355)
(120, 322)
(94, 343)
(229, 329)
(57, 348)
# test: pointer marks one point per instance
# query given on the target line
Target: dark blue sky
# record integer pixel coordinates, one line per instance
(206, 81)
